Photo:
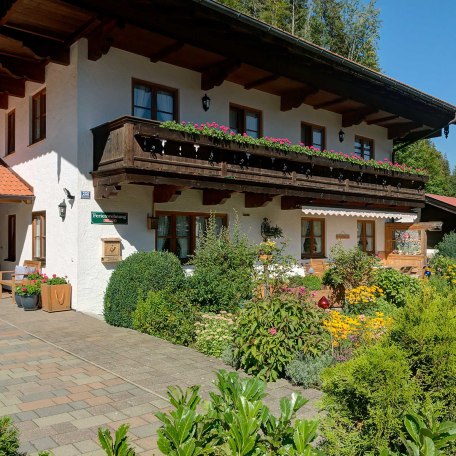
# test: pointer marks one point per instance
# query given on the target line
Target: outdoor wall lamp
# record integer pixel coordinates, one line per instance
(446, 131)
(62, 210)
(206, 102)
(341, 135)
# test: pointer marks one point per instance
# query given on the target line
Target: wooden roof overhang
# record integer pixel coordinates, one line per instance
(130, 150)
(221, 44)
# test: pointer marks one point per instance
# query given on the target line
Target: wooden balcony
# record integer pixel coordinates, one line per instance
(129, 150)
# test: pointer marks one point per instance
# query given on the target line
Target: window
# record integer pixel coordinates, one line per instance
(245, 120)
(179, 232)
(401, 240)
(313, 135)
(312, 238)
(39, 116)
(39, 236)
(151, 101)
(366, 236)
(11, 238)
(364, 147)
(11, 132)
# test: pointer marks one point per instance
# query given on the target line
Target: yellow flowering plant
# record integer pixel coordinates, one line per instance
(362, 299)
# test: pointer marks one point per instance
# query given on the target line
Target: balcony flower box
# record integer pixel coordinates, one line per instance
(55, 294)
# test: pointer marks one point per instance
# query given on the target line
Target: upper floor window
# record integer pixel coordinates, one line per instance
(11, 132)
(39, 116)
(366, 236)
(312, 238)
(155, 102)
(313, 135)
(364, 147)
(39, 236)
(179, 232)
(245, 120)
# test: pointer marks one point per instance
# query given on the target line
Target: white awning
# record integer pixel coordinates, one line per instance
(325, 211)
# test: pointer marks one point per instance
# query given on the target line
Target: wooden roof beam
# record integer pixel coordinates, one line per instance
(382, 120)
(295, 98)
(261, 81)
(100, 39)
(167, 51)
(330, 103)
(417, 135)
(214, 75)
(399, 130)
(213, 197)
(17, 67)
(44, 48)
(257, 199)
(3, 101)
(12, 86)
(166, 193)
(356, 116)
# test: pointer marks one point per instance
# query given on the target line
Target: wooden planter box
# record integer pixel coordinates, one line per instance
(55, 298)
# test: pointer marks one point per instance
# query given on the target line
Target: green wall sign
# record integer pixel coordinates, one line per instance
(109, 218)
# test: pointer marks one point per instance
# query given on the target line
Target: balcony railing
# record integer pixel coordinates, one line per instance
(140, 151)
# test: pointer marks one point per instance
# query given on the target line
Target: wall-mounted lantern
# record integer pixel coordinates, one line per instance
(62, 210)
(341, 135)
(206, 101)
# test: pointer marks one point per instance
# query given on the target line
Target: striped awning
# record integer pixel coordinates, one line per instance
(360, 213)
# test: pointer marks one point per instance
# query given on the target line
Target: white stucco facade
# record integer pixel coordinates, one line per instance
(85, 94)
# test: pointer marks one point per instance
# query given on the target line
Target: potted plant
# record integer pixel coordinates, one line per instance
(55, 293)
(29, 295)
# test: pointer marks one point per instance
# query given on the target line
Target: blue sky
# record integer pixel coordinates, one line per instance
(418, 47)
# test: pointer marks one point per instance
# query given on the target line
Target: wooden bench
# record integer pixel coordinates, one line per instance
(11, 282)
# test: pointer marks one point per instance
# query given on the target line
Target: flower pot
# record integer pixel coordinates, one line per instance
(17, 298)
(29, 302)
(56, 298)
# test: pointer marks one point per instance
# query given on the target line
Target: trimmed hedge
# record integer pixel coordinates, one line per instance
(134, 278)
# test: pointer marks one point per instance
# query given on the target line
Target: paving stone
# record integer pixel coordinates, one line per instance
(44, 443)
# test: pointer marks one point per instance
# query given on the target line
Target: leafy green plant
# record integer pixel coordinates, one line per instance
(215, 333)
(9, 437)
(364, 401)
(272, 330)
(53, 280)
(236, 422)
(31, 289)
(166, 315)
(118, 446)
(305, 370)
(447, 246)
(395, 285)
(134, 277)
(311, 282)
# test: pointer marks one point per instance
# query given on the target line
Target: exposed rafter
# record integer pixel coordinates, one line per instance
(261, 81)
(166, 193)
(380, 120)
(214, 197)
(214, 75)
(421, 134)
(22, 68)
(12, 86)
(100, 39)
(295, 98)
(330, 103)
(257, 199)
(167, 51)
(44, 48)
(356, 116)
(3, 101)
(399, 130)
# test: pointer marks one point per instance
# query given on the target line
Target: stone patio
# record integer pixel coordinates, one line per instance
(63, 375)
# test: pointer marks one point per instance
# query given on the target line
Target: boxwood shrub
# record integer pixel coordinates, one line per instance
(134, 277)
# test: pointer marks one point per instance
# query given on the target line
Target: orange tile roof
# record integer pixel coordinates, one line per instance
(12, 186)
(444, 199)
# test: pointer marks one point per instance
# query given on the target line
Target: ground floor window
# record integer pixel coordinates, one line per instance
(179, 232)
(366, 236)
(39, 236)
(400, 240)
(11, 238)
(312, 238)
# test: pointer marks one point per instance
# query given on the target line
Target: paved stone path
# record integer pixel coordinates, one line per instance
(63, 375)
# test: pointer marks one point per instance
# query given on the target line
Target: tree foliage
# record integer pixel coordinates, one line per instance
(347, 27)
(424, 154)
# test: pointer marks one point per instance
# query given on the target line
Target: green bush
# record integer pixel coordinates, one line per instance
(395, 285)
(119, 446)
(215, 334)
(311, 282)
(235, 422)
(365, 399)
(447, 246)
(350, 268)
(271, 331)
(134, 277)
(223, 274)
(425, 329)
(306, 370)
(166, 315)
(9, 437)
